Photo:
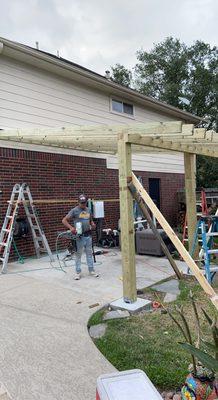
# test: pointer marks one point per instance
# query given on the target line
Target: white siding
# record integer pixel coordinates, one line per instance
(161, 162)
(30, 97)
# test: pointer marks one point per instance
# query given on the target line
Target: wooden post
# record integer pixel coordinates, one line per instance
(190, 191)
(126, 218)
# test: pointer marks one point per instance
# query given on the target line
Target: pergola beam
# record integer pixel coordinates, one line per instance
(168, 137)
(105, 139)
(157, 128)
(180, 146)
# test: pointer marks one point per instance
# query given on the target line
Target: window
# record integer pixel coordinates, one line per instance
(128, 108)
(117, 106)
(122, 107)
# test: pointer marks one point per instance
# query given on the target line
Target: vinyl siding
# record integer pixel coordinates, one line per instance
(31, 97)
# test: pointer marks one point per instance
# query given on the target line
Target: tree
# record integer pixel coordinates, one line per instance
(121, 75)
(207, 172)
(182, 76)
(201, 88)
(163, 72)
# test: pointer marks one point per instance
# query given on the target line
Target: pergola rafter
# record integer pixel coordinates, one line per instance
(148, 137)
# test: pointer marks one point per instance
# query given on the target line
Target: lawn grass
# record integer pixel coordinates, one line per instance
(96, 318)
(149, 341)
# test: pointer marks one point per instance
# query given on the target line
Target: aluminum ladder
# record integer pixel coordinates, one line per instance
(21, 195)
(207, 250)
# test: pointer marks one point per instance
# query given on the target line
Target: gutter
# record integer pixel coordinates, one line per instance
(99, 79)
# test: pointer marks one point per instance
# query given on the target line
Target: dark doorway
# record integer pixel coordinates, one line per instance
(154, 190)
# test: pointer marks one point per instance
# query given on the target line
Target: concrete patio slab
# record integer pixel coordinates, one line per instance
(45, 349)
(171, 286)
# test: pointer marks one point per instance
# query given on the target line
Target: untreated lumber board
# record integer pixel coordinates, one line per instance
(151, 127)
(89, 138)
(200, 133)
(127, 226)
(101, 131)
(69, 201)
(88, 148)
(177, 243)
(208, 139)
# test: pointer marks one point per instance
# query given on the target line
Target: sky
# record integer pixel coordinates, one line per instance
(99, 33)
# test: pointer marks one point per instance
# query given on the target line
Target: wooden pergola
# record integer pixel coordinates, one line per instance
(169, 137)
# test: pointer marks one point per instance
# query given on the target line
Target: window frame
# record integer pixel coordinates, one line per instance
(123, 114)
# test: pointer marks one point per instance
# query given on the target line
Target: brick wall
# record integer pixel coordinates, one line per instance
(58, 176)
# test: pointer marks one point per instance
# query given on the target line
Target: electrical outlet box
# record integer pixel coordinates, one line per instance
(98, 209)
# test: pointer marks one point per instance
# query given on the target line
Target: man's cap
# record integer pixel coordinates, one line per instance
(82, 199)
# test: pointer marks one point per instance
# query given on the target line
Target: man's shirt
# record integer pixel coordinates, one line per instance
(78, 214)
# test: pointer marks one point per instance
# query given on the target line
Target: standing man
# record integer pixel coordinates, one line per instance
(83, 224)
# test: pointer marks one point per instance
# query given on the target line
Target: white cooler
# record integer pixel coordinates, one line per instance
(126, 385)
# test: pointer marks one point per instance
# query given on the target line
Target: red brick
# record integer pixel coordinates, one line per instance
(59, 176)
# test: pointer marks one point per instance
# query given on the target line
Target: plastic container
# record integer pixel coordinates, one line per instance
(128, 385)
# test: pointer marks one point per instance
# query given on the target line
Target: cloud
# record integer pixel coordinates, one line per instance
(99, 33)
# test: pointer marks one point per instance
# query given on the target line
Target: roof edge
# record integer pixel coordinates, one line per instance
(104, 82)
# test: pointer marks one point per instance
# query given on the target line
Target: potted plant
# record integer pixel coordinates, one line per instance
(201, 383)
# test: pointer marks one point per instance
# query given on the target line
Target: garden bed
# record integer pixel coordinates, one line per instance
(149, 341)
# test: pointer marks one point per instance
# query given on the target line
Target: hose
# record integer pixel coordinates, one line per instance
(20, 258)
(67, 235)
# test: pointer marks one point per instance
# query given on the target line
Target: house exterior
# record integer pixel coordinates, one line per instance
(38, 89)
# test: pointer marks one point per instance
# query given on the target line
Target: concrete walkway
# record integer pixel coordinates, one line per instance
(45, 350)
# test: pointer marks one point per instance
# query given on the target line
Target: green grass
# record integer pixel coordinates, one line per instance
(96, 318)
(150, 341)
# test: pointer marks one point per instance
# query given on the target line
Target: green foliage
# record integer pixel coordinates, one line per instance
(182, 76)
(144, 342)
(207, 172)
(163, 72)
(150, 341)
(208, 361)
(96, 318)
(121, 75)
(202, 84)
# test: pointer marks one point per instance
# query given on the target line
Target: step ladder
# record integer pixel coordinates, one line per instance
(207, 249)
(201, 254)
(204, 212)
(21, 195)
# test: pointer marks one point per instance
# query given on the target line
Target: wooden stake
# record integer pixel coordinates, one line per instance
(146, 214)
(127, 226)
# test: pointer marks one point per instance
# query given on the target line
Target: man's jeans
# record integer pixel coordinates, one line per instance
(86, 243)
